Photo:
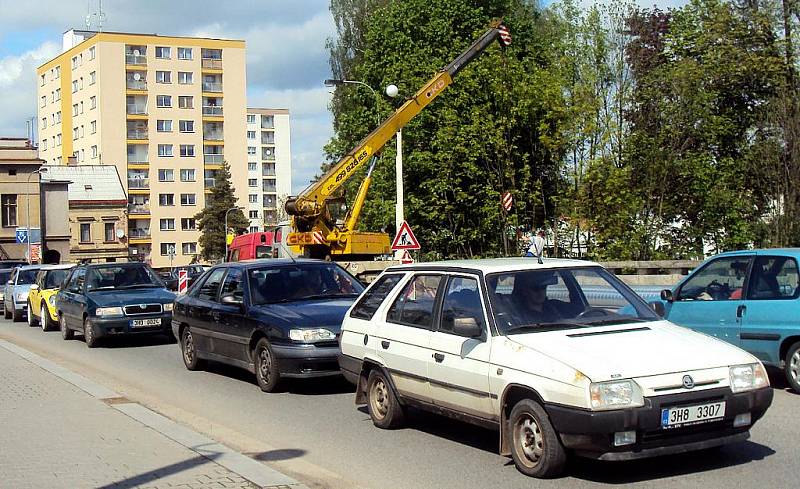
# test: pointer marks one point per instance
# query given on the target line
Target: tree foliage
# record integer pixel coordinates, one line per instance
(211, 220)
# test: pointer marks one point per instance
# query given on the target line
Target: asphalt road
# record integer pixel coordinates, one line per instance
(315, 433)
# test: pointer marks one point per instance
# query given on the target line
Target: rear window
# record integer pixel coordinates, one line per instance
(54, 278)
(366, 306)
(26, 277)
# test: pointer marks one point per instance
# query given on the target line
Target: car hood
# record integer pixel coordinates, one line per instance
(633, 350)
(308, 314)
(106, 298)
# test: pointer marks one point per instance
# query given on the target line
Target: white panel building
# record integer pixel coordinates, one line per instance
(269, 165)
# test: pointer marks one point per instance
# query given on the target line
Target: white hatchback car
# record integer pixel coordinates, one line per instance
(561, 357)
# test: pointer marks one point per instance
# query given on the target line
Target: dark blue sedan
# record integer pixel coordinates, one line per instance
(277, 318)
(108, 299)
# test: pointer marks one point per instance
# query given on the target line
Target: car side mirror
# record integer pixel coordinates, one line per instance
(666, 295)
(659, 308)
(34, 287)
(232, 300)
(10, 282)
(467, 326)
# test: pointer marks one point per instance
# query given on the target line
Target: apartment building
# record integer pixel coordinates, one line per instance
(269, 166)
(166, 111)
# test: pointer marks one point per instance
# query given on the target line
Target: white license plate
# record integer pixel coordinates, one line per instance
(689, 415)
(143, 323)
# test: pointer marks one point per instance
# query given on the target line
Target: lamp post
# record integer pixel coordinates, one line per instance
(28, 206)
(225, 258)
(335, 82)
(399, 217)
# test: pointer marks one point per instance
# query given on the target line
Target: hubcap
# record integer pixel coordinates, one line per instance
(30, 315)
(43, 320)
(379, 399)
(794, 366)
(528, 437)
(188, 347)
(264, 365)
(87, 332)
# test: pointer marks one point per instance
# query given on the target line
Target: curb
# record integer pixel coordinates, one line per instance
(246, 467)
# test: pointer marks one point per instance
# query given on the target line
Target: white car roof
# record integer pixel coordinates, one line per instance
(62, 266)
(493, 265)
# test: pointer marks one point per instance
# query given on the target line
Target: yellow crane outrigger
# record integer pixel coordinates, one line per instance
(315, 233)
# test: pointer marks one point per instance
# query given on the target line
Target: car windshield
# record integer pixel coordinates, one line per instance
(26, 277)
(120, 277)
(5, 275)
(54, 278)
(546, 300)
(300, 282)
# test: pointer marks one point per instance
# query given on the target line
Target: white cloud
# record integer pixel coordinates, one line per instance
(18, 87)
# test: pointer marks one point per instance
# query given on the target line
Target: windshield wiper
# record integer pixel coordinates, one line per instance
(620, 320)
(326, 296)
(136, 286)
(537, 327)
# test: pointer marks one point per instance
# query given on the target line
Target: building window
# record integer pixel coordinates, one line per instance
(188, 224)
(81, 112)
(164, 125)
(57, 72)
(184, 53)
(252, 166)
(44, 122)
(74, 109)
(166, 248)
(164, 150)
(93, 127)
(74, 62)
(80, 83)
(188, 199)
(109, 232)
(252, 198)
(251, 118)
(189, 248)
(74, 133)
(186, 126)
(252, 182)
(86, 232)
(9, 208)
(187, 175)
(92, 102)
(167, 224)
(81, 134)
(163, 101)
(251, 150)
(185, 77)
(251, 134)
(166, 199)
(44, 144)
(166, 175)
(162, 52)
(163, 77)
(253, 214)
(43, 80)
(94, 151)
(43, 101)
(187, 149)
(58, 117)
(58, 94)
(83, 155)
(91, 52)
(92, 78)
(185, 101)
(58, 139)
(74, 86)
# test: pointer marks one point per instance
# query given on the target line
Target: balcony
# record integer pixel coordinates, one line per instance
(135, 59)
(268, 154)
(131, 84)
(212, 110)
(267, 122)
(268, 172)
(138, 183)
(269, 186)
(212, 64)
(212, 86)
(267, 137)
(136, 109)
(213, 159)
(213, 135)
(137, 134)
(138, 209)
(139, 233)
(209, 182)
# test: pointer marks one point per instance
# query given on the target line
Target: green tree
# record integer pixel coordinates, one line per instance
(211, 220)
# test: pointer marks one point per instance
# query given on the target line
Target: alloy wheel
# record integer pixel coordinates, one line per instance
(43, 318)
(188, 347)
(264, 365)
(794, 366)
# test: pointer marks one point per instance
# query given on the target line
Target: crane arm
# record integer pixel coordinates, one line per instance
(311, 200)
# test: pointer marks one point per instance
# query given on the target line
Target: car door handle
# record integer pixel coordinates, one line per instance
(215, 315)
(385, 344)
(439, 357)
(740, 311)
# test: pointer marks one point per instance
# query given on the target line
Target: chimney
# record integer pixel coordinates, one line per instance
(72, 161)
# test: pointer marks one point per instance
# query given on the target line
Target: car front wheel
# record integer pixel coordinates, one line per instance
(89, 335)
(793, 367)
(536, 449)
(44, 318)
(66, 333)
(267, 372)
(384, 408)
(189, 351)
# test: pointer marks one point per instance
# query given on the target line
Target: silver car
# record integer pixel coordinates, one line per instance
(15, 292)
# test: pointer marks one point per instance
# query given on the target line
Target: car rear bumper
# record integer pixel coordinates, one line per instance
(122, 325)
(591, 433)
(307, 361)
(351, 367)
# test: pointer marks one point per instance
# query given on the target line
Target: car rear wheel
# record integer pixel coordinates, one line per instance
(44, 318)
(31, 318)
(16, 315)
(89, 335)
(189, 351)
(66, 333)
(6, 313)
(382, 404)
(793, 367)
(267, 372)
(536, 449)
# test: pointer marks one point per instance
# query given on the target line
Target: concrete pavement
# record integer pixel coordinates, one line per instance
(61, 430)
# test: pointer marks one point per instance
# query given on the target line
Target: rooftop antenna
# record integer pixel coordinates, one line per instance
(101, 16)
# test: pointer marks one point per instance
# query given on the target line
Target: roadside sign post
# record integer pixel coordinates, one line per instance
(171, 253)
(404, 241)
(183, 281)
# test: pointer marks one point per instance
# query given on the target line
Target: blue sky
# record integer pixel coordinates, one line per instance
(286, 55)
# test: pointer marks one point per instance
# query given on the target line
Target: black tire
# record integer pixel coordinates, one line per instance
(31, 318)
(89, 334)
(535, 447)
(16, 316)
(266, 364)
(792, 367)
(384, 408)
(66, 333)
(6, 314)
(188, 351)
(44, 318)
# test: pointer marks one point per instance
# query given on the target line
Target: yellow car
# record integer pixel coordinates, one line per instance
(42, 296)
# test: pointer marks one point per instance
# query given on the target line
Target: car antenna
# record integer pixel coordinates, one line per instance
(287, 253)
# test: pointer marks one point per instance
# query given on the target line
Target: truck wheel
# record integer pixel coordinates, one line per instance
(267, 372)
(793, 367)
(66, 333)
(536, 449)
(189, 351)
(384, 408)
(31, 318)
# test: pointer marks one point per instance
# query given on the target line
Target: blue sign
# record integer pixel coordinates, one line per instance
(22, 235)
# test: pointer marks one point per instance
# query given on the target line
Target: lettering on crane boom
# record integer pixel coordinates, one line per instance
(349, 168)
(436, 87)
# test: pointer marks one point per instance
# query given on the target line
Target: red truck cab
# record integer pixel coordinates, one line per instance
(251, 246)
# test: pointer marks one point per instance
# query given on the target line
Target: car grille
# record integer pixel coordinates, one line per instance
(139, 309)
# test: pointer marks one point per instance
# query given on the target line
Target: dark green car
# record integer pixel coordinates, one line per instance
(111, 299)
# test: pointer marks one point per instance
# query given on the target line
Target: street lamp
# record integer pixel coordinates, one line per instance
(225, 258)
(392, 91)
(28, 206)
(335, 82)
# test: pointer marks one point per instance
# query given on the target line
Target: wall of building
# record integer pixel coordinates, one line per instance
(98, 248)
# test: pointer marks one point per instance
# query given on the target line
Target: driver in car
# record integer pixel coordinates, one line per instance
(530, 300)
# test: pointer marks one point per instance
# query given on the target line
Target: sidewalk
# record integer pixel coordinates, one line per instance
(60, 430)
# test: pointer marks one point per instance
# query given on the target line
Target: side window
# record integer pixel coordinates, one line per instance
(773, 277)
(208, 291)
(233, 284)
(415, 304)
(76, 283)
(462, 301)
(720, 280)
(366, 306)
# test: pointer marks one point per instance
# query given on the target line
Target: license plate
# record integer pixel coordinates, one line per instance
(143, 323)
(690, 415)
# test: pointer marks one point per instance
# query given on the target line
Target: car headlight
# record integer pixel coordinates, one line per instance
(22, 296)
(108, 311)
(615, 394)
(52, 300)
(167, 307)
(308, 335)
(748, 377)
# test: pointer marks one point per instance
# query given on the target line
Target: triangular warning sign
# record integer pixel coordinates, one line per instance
(405, 258)
(405, 239)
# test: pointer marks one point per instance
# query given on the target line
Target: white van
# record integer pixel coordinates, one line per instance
(561, 357)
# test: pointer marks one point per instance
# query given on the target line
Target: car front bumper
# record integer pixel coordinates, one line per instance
(306, 361)
(591, 433)
(123, 325)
